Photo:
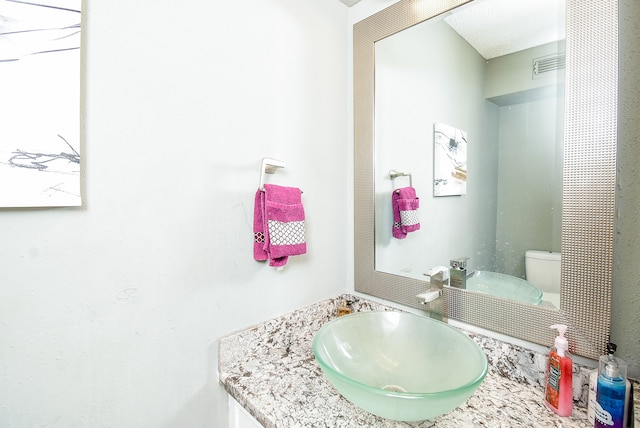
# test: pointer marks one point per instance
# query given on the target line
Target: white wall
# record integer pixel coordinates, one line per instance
(110, 314)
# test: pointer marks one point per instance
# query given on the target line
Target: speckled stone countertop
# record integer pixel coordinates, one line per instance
(271, 371)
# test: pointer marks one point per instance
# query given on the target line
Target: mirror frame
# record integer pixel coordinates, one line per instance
(588, 195)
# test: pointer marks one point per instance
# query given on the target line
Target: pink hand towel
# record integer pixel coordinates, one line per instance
(397, 231)
(406, 207)
(259, 251)
(278, 224)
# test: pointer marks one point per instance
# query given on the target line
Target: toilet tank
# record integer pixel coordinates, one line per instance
(542, 269)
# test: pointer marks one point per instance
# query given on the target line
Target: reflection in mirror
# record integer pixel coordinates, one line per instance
(494, 72)
(588, 183)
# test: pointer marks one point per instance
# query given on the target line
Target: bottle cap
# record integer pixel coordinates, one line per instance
(612, 370)
(613, 367)
(561, 342)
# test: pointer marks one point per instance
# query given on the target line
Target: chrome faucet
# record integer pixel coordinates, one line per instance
(438, 278)
(459, 272)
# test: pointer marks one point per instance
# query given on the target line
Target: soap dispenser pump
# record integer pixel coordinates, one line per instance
(558, 387)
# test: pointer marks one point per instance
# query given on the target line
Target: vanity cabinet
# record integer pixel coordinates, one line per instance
(239, 417)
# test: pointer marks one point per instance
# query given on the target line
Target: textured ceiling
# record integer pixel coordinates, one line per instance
(499, 27)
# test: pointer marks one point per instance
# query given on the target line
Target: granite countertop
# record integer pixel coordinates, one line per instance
(271, 371)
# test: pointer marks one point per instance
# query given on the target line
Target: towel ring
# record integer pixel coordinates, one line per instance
(269, 166)
(395, 174)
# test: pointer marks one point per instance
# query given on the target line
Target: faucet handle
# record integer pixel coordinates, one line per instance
(429, 296)
(459, 263)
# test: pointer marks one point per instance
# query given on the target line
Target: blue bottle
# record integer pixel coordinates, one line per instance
(612, 389)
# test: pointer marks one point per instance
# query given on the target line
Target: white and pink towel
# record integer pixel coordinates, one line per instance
(406, 206)
(278, 224)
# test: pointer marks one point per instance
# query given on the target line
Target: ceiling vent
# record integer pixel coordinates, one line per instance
(548, 64)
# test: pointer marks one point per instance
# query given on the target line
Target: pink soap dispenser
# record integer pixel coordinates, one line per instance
(558, 394)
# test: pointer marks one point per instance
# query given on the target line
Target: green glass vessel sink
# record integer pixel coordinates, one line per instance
(505, 286)
(398, 365)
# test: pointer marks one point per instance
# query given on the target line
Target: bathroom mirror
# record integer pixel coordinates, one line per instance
(588, 183)
(495, 71)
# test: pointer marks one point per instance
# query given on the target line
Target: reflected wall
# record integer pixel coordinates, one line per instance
(429, 74)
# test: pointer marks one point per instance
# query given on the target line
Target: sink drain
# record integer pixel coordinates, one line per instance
(394, 388)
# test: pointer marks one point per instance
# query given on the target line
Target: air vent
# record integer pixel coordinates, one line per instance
(547, 64)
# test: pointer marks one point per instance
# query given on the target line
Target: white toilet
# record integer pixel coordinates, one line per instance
(542, 269)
